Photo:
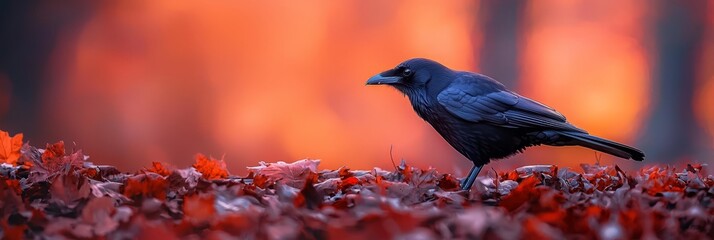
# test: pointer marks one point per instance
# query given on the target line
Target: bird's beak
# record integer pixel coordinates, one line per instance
(379, 79)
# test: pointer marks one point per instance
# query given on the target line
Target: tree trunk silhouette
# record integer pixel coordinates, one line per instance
(28, 34)
(500, 23)
(672, 132)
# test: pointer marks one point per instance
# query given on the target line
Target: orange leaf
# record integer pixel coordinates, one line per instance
(261, 181)
(159, 168)
(10, 147)
(210, 168)
(348, 182)
(345, 172)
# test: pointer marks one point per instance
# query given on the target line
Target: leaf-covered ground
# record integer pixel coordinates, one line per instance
(51, 193)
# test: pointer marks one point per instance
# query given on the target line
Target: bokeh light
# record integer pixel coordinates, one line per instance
(161, 80)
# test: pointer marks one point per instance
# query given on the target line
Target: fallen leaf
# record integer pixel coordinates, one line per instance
(348, 183)
(448, 182)
(54, 159)
(520, 195)
(210, 168)
(98, 214)
(10, 147)
(65, 196)
(10, 197)
(69, 187)
(159, 168)
(200, 207)
(12, 232)
(146, 185)
(53, 151)
(291, 174)
(309, 197)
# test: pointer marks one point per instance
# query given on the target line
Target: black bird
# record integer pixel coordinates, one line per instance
(482, 119)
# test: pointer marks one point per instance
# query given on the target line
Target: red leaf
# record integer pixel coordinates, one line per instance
(237, 224)
(13, 232)
(448, 182)
(405, 170)
(211, 168)
(345, 172)
(53, 151)
(536, 229)
(10, 201)
(145, 185)
(348, 182)
(511, 175)
(200, 207)
(54, 158)
(261, 181)
(308, 196)
(159, 168)
(520, 195)
(151, 229)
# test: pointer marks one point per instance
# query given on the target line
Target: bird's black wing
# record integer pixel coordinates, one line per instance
(473, 98)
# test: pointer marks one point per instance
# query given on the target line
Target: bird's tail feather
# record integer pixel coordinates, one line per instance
(604, 145)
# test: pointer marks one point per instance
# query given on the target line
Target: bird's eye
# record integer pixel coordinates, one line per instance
(407, 72)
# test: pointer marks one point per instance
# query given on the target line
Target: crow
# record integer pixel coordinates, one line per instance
(482, 119)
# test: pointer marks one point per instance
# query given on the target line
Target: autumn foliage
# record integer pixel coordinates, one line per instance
(55, 193)
(10, 147)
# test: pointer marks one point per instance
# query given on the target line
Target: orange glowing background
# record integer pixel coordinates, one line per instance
(252, 81)
(588, 61)
(704, 97)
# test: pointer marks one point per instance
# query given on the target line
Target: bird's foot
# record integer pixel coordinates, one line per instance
(467, 182)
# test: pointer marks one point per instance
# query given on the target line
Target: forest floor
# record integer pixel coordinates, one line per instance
(50, 193)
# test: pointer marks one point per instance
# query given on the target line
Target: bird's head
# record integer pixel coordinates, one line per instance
(410, 76)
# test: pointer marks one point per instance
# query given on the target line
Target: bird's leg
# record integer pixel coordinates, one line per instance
(464, 180)
(469, 180)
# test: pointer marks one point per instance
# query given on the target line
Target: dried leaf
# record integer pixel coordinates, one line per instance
(159, 168)
(211, 168)
(309, 197)
(13, 232)
(63, 196)
(53, 151)
(520, 195)
(69, 187)
(291, 174)
(98, 214)
(448, 182)
(200, 207)
(146, 185)
(10, 200)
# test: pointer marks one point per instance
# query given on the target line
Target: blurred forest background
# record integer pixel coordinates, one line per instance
(135, 81)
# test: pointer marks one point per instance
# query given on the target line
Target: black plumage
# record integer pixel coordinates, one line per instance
(482, 119)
